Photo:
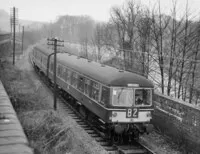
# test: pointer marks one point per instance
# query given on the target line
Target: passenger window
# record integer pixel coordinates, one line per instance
(74, 79)
(105, 95)
(66, 75)
(95, 91)
(69, 76)
(59, 70)
(81, 83)
(87, 87)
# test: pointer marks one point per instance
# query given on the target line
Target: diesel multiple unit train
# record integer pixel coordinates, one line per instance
(120, 101)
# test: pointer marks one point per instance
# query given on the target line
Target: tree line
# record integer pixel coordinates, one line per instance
(158, 46)
(152, 42)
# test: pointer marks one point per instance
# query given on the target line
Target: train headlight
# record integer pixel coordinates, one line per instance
(148, 114)
(114, 114)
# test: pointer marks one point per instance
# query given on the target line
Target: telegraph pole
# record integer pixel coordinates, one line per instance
(22, 38)
(54, 42)
(14, 23)
(14, 35)
(11, 26)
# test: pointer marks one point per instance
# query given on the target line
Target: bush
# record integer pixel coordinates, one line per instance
(44, 128)
(46, 131)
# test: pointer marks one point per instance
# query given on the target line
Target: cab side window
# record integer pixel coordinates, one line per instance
(105, 95)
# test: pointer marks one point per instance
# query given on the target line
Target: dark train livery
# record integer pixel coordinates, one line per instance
(121, 101)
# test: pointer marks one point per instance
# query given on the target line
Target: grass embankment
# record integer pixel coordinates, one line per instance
(45, 129)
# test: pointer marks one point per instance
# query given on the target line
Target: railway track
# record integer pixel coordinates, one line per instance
(137, 148)
(68, 109)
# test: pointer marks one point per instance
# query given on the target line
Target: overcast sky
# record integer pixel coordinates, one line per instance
(48, 10)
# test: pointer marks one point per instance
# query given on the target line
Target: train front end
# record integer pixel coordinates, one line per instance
(132, 111)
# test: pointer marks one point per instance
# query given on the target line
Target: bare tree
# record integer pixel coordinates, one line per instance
(110, 36)
(159, 27)
(119, 21)
(184, 42)
(101, 38)
(173, 48)
(125, 19)
(194, 59)
(144, 33)
(104, 39)
(98, 39)
(175, 31)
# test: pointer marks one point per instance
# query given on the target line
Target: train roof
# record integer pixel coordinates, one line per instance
(104, 74)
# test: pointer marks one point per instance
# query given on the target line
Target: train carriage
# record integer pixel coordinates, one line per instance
(121, 100)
